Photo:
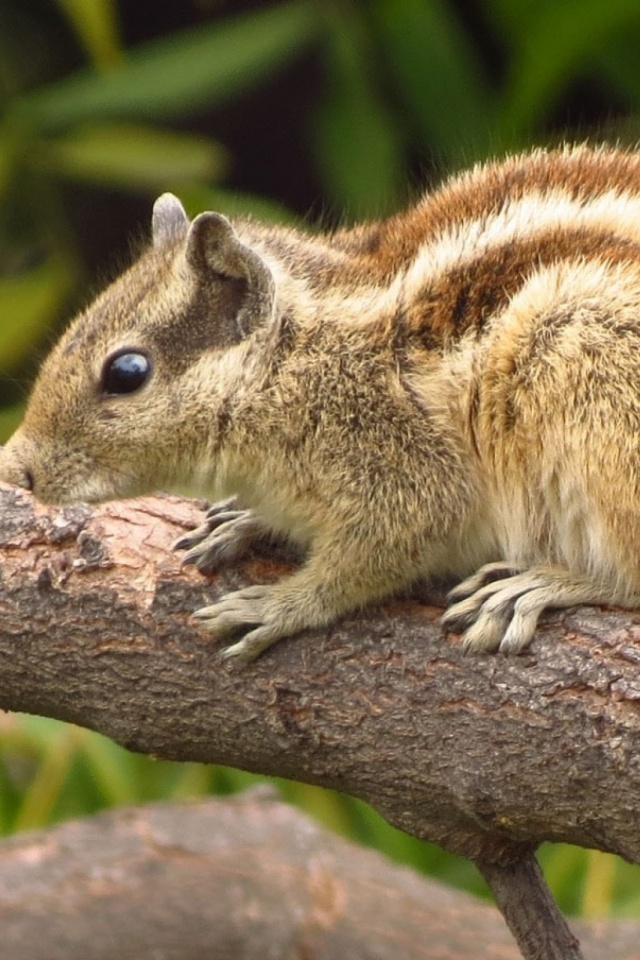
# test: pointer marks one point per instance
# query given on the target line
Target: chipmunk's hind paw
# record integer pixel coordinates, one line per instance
(503, 614)
(488, 574)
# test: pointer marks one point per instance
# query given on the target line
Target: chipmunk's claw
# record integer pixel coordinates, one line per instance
(251, 609)
(224, 538)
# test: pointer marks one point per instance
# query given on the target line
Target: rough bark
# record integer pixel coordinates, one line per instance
(486, 755)
(240, 879)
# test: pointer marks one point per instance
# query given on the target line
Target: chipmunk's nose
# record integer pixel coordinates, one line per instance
(16, 474)
(25, 479)
(12, 466)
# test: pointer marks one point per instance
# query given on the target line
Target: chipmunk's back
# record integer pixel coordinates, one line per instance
(467, 249)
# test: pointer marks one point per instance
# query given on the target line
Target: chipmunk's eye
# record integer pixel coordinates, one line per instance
(125, 372)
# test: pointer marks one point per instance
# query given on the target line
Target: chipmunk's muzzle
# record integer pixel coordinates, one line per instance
(23, 462)
(59, 473)
(24, 478)
(14, 466)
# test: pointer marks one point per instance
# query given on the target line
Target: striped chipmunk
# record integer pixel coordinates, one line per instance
(454, 391)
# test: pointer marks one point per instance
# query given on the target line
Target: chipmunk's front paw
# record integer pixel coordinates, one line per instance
(500, 614)
(224, 537)
(252, 609)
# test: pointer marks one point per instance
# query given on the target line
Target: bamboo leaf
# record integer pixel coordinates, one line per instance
(111, 769)
(28, 305)
(357, 152)
(133, 157)
(10, 418)
(96, 25)
(43, 793)
(358, 146)
(555, 48)
(439, 75)
(166, 77)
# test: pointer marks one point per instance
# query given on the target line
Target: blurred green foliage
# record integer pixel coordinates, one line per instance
(348, 104)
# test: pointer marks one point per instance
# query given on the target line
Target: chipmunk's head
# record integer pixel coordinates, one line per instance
(126, 401)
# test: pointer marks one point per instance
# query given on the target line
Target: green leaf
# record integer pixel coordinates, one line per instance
(556, 46)
(133, 157)
(598, 891)
(439, 76)
(10, 418)
(358, 153)
(96, 25)
(111, 768)
(357, 144)
(40, 798)
(28, 305)
(166, 77)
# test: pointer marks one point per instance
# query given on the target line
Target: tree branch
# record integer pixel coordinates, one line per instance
(486, 755)
(529, 910)
(239, 879)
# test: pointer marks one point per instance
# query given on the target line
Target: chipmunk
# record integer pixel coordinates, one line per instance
(451, 391)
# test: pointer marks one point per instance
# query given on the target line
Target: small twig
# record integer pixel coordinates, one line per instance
(529, 910)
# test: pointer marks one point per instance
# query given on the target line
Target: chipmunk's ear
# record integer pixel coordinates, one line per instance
(169, 221)
(213, 248)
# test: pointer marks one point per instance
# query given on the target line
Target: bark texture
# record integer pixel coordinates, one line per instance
(245, 878)
(475, 752)
(486, 755)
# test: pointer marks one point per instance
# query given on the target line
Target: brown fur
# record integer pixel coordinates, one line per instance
(454, 386)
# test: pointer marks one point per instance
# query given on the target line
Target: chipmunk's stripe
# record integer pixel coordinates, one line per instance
(578, 171)
(580, 174)
(465, 249)
(535, 213)
(473, 291)
(460, 278)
